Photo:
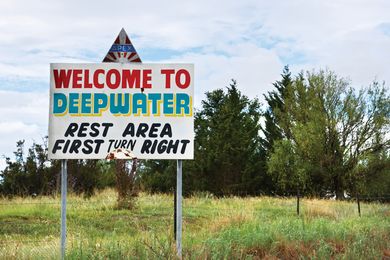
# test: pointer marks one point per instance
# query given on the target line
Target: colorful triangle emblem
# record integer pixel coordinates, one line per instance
(122, 50)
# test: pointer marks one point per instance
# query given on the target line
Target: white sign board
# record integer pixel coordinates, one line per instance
(143, 108)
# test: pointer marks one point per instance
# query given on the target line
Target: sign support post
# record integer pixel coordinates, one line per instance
(179, 182)
(174, 213)
(64, 182)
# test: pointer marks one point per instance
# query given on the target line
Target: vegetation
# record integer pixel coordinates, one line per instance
(330, 134)
(214, 228)
(35, 175)
(228, 152)
(125, 183)
(317, 136)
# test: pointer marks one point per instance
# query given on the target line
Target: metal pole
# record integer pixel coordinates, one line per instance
(174, 213)
(179, 207)
(64, 172)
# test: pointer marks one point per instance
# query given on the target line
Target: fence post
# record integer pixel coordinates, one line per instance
(358, 202)
(298, 202)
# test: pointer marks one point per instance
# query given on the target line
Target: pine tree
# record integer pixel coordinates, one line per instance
(228, 146)
(276, 102)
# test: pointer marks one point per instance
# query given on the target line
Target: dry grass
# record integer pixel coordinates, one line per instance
(334, 210)
(220, 223)
(317, 210)
(213, 228)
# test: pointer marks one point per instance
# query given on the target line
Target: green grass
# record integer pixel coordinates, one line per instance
(224, 228)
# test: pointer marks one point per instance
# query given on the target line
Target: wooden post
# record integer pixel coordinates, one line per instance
(358, 202)
(298, 202)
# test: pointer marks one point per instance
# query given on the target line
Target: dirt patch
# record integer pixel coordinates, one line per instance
(256, 252)
(291, 250)
(386, 254)
(288, 250)
(294, 251)
(337, 248)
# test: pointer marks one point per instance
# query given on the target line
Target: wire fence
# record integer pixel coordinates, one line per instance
(33, 227)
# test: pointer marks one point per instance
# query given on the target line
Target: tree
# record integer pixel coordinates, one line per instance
(28, 175)
(13, 178)
(333, 129)
(276, 104)
(228, 155)
(40, 179)
(272, 130)
(158, 175)
(375, 177)
(35, 174)
(228, 147)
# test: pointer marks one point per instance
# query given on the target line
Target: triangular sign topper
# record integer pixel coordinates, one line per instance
(122, 50)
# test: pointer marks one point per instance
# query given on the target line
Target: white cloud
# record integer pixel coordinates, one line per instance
(360, 55)
(64, 31)
(254, 69)
(22, 116)
(19, 128)
(246, 40)
(28, 107)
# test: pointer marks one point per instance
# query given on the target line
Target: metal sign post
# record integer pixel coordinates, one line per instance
(174, 214)
(179, 182)
(64, 182)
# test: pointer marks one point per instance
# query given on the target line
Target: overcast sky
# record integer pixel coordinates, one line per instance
(249, 41)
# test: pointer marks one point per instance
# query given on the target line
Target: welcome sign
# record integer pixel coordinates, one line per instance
(98, 108)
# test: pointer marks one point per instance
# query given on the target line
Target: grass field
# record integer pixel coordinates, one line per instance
(224, 228)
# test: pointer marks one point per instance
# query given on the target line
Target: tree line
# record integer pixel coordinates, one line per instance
(315, 135)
